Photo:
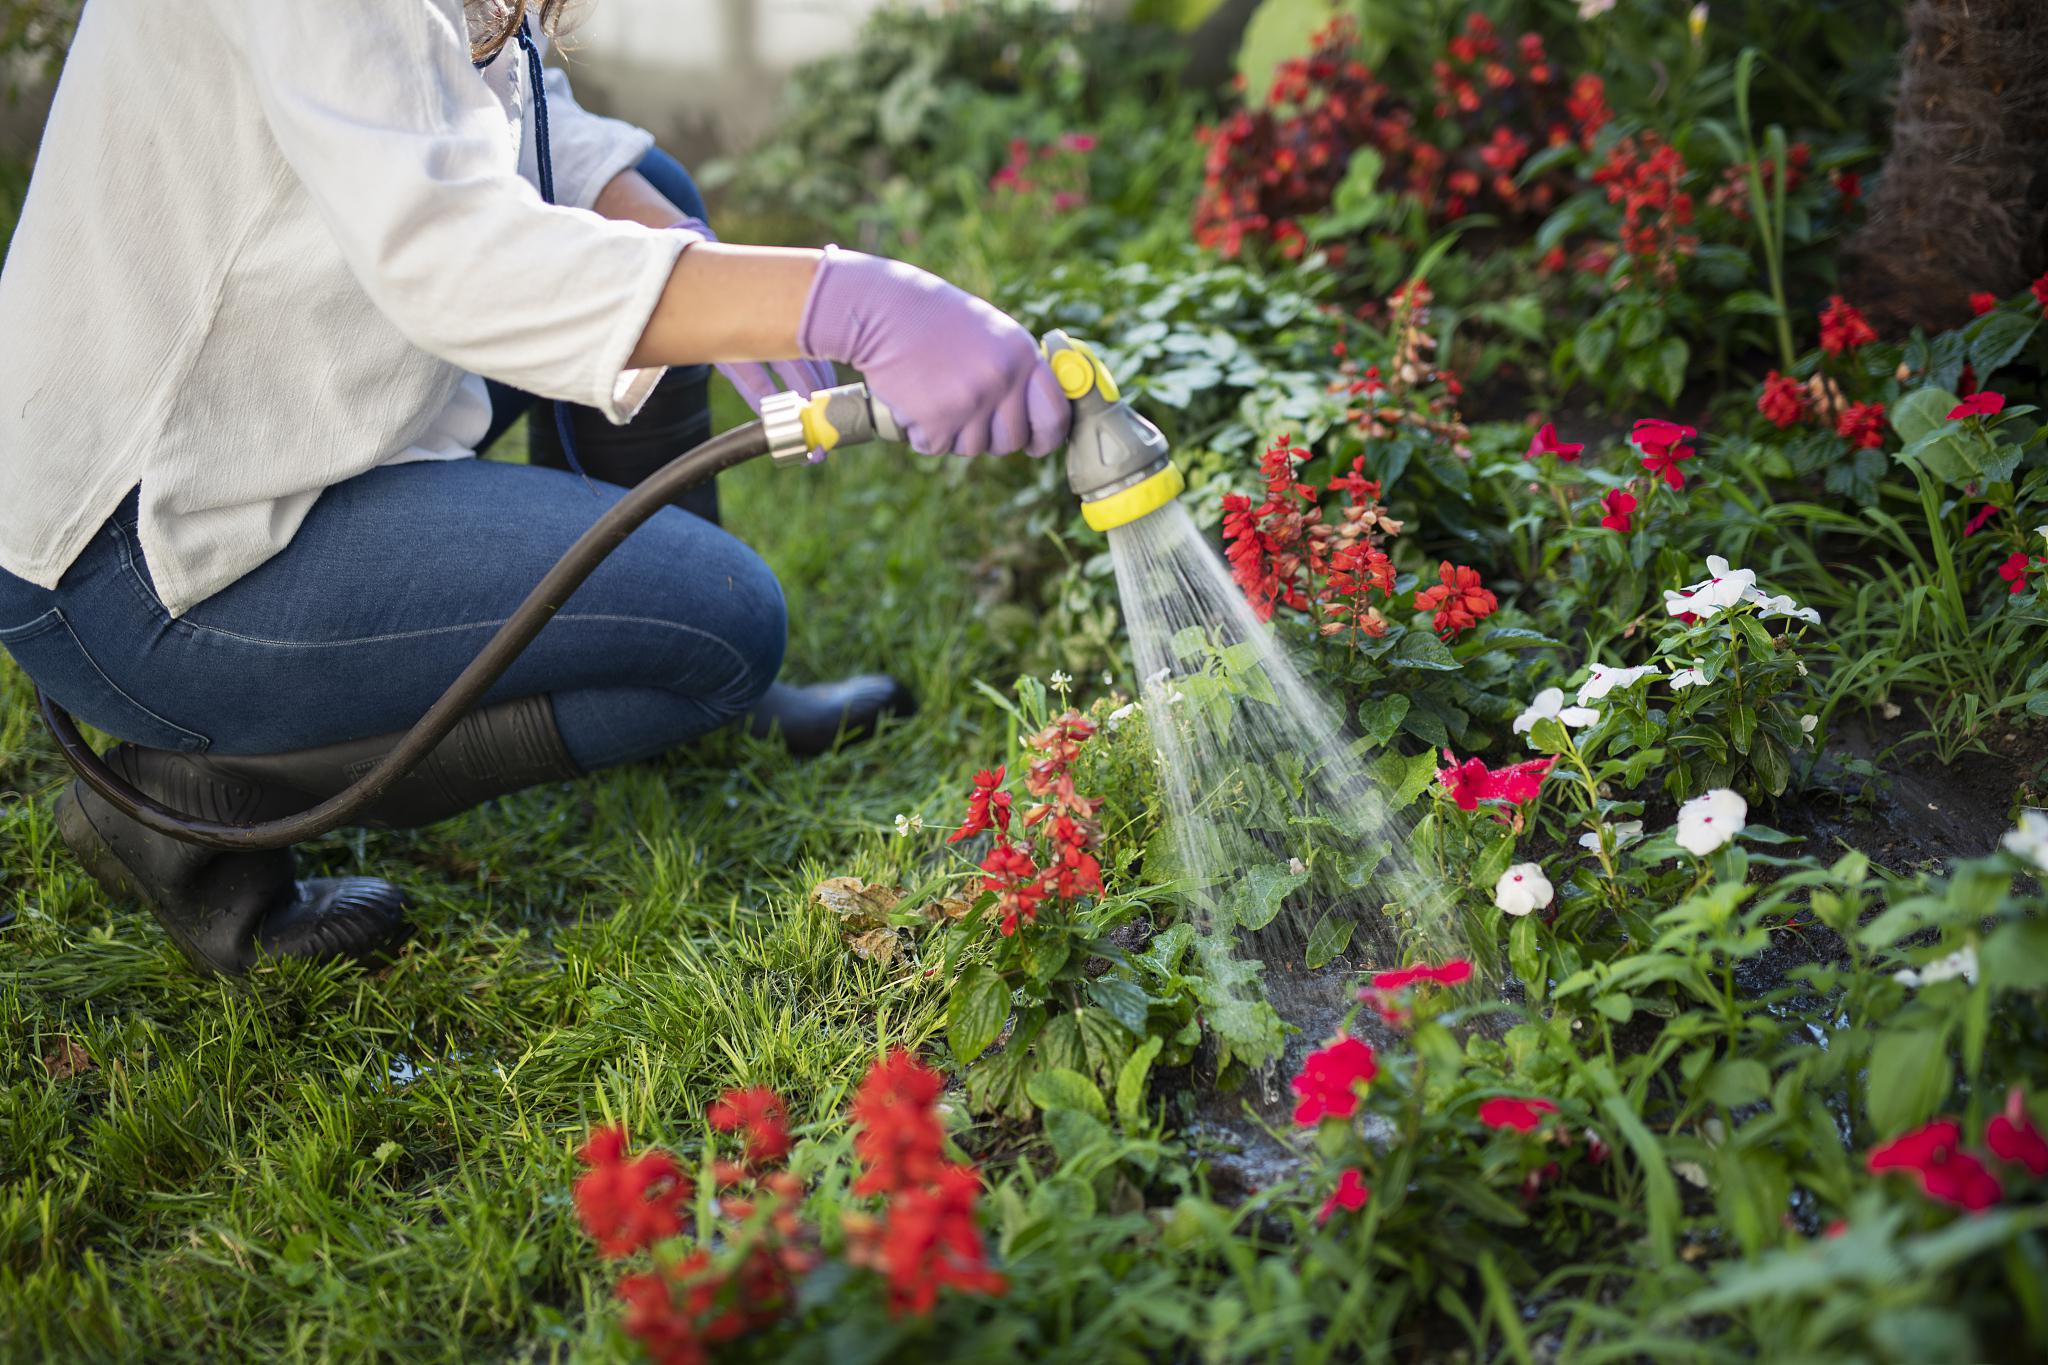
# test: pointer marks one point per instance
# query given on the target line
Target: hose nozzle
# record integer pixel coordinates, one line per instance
(1116, 460)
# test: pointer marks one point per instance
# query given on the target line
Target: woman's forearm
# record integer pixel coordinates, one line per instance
(727, 303)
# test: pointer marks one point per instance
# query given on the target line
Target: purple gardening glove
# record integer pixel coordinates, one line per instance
(753, 380)
(958, 374)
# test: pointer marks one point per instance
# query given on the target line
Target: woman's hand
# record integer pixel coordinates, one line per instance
(958, 374)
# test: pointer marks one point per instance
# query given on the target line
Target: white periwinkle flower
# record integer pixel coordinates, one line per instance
(1593, 9)
(1522, 889)
(1121, 714)
(1687, 677)
(1962, 962)
(2030, 840)
(907, 825)
(1723, 588)
(1549, 705)
(1605, 680)
(1710, 820)
(1769, 605)
(2041, 531)
(1807, 725)
(1625, 833)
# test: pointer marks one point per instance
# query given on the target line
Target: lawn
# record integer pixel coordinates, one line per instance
(1551, 871)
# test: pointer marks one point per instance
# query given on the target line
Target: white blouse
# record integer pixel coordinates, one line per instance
(268, 246)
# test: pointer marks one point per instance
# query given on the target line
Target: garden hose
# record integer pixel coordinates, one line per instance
(789, 429)
(1117, 462)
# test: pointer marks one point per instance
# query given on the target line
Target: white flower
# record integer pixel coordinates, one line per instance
(1890, 710)
(1687, 677)
(1521, 889)
(2041, 531)
(1807, 725)
(1708, 821)
(1122, 713)
(1962, 962)
(1161, 676)
(1296, 867)
(907, 825)
(1692, 1173)
(1060, 681)
(1781, 605)
(1605, 680)
(1108, 678)
(1723, 588)
(2030, 840)
(1549, 705)
(1593, 9)
(1625, 833)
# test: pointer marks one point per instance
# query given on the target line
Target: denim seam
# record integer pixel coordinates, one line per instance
(30, 629)
(131, 565)
(738, 658)
(203, 742)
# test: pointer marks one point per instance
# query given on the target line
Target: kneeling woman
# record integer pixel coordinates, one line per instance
(284, 268)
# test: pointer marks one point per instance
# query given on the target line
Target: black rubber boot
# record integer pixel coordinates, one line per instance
(225, 910)
(676, 417)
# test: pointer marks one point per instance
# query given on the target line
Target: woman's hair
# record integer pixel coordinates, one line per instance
(493, 22)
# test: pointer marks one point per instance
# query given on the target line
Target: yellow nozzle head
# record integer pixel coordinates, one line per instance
(1140, 499)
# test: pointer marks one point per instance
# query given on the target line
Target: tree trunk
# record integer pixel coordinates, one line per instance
(1963, 202)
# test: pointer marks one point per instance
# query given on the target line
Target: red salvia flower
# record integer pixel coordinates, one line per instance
(1843, 328)
(1330, 1077)
(1546, 443)
(668, 1336)
(759, 1113)
(1862, 425)
(930, 1241)
(1524, 1116)
(2012, 1136)
(628, 1205)
(1458, 602)
(1982, 303)
(1618, 506)
(1350, 1194)
(1664, 444)
(1983, 403)
(987, 808)
(897, 1133)
(1019, 887)
(1783, 400)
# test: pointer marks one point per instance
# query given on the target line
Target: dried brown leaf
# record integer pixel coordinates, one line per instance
(863, 905)
(881, 946)
(948, 910)
(66, 1060)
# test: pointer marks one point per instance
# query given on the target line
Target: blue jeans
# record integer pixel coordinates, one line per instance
(392, 584)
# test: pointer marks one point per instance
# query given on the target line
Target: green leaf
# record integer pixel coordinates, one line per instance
(1130, 1081)
(1672, 357)
(1419, 648)
(1059, 1088)
(1660, 1189)
(1262, 891)
(1910, 1076)
(2015, 957)
(1279, 30)
(1737, 1081)
(1996, 338)
(1381, 716)
(1750, 301)
(1122, 999)
(1616, 1005)
(1331, 936)
(976, 1013)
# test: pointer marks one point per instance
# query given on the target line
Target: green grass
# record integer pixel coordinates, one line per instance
(241, 1172)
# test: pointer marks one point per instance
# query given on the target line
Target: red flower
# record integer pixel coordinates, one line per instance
(897, 1134)
(668, 1336)
(2040, 288)
(627, 1206)
(1983, 403)
(1350, 1195)
(759, 1111)
(2012, 1136)
(1470, 782)
(1619, 505)
(1329, 1080)
(1783, 400)
(930, 1241)
(1018, 884)
(1842, 328)
(2014, 571)
(1934, 1156)
(1524, 1116)
(1458, 602)
(1976, 522)
(987, 808)
(1456, 972)
(1862, 425)
(1546, 443)
(1663, 445)
(1982, 303)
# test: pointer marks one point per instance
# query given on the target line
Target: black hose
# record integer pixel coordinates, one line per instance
(606, 534)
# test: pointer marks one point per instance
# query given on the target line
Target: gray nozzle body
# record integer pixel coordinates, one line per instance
(1111, 447)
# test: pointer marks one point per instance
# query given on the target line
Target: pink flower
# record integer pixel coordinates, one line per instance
(1933, 1155)
(1078, 142)
(1453, 973)
(1618, 506)
(1471, 782)
(1976, 522)
(1983, 403)
(1546, 443)
(1350, 1195)
(1330, 1078)
(2014, 572)
(1663, 445)
(1524, 1116)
